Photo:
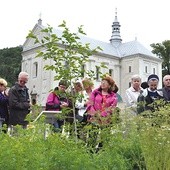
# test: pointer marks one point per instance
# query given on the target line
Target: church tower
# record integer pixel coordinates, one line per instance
(115, 38)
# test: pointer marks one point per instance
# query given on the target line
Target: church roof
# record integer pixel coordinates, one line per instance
(114, 48)
(133, 47)
(124, 49)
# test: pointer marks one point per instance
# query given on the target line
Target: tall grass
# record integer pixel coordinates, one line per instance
(133, 142)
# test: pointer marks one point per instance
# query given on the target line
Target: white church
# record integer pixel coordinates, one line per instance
(122, 60)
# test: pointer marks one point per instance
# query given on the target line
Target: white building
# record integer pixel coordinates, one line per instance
(122, 59)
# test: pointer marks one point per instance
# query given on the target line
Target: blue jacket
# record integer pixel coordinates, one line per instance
(4, 107)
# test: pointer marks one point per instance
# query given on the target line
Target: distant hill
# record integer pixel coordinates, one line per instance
(10, 64)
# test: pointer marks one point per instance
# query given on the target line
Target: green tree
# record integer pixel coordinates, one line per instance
(162, 50)
(10, 63)
(68, 53)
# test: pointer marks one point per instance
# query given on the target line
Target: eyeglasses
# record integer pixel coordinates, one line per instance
(63, 87)
(22, 81)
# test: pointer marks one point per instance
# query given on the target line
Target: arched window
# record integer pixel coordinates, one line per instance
(97, 73)
(111, 72)
(146, 69)
(35, 69)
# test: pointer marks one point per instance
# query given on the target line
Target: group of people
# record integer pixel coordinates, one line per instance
(14, 102)
(94, 103)
(142, 96)
(98, 104)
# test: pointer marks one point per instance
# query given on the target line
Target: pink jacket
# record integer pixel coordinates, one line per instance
(53, 102)
(95, 103)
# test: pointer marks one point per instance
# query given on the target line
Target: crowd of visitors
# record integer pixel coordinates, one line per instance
(95, 104)
(143, 96)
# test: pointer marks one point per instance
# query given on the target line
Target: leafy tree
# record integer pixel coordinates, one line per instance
(68, 53)
(162, 50)
(10, 63)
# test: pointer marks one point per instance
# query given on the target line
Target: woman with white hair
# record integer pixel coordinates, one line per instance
(133, 92)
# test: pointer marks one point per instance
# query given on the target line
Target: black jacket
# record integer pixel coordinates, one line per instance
(19, 105)
(146, 102)
(166, 95)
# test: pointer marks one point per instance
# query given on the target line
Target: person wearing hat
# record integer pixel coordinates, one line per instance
(149, 95)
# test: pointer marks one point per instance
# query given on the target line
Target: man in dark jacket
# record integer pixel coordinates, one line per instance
(19, 102)
(166, 88)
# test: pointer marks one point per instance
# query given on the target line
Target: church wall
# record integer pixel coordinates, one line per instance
(43, 82)
(149, 66)
(129, 67)
(122, 70)
(111, 64)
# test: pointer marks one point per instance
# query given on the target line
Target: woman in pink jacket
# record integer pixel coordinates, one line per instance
(102, 102)
(58, 100)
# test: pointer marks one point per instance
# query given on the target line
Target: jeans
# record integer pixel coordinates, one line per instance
(57, 125)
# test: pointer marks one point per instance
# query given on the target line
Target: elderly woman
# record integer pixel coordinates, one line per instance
(4, 115)
(102, 101)
(133, 92)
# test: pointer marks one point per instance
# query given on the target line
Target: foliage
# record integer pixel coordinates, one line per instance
(162, 50)
(10, 64)
(154, 130)
(132, 143)
(68, 54)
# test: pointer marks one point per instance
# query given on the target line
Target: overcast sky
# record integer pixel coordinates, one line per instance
(147, 20)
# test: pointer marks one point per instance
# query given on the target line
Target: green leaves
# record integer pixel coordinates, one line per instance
(162, 50)
(10, 64)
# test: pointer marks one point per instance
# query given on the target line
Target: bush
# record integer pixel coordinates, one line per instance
(133, 143)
